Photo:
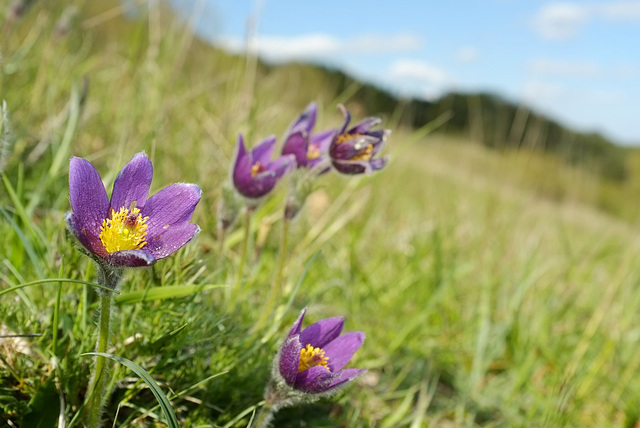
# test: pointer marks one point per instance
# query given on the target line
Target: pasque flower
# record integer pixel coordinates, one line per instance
(310, 365)
(129, 230)
(309, 149)
(353, 151)
(254, 173)
(312, 361)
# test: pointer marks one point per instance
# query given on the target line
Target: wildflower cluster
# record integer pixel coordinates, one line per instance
(132, 229)
(349, 152)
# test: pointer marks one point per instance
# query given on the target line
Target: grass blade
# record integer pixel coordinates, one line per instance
(53, 280)
(169, 414)
(161, 293)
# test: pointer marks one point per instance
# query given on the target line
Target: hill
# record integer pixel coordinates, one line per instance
(482, 117)
(495, 287)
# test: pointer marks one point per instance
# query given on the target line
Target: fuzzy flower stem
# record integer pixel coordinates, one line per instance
(264, 417)
(277, 396)
(277, 283)
(243, 255)
(98, 383)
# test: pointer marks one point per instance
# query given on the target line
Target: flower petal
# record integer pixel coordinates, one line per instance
(241, 147)
(241, 152)
(132, 183)
(263, 151)
(88, 240)
(130, 258)
(322, 332)
(323, 139)
(295, 330)
(380, 137)
(296, 144)
(171, 206)
(351, 167)
(341, 350)
(88, 196)
(306, 121)
(343, 377)
(314, 380)
(378, 163)
(241, 174)
(347, 118)
(258, 186)
(171, 240)
(290, 360)
(282, 165)
(364, 125)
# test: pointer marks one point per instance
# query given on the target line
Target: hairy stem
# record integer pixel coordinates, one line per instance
(98, 383)
(265, 416)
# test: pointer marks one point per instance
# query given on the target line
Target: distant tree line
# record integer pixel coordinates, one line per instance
(481, 117)
(496, 123)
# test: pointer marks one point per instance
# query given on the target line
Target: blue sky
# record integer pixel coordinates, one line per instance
(578, 62)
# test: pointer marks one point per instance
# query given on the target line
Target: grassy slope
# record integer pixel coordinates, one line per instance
(491, 289)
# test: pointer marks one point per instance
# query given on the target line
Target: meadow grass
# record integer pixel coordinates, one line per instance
(495, 288)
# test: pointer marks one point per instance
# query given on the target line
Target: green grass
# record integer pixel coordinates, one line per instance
(495, 289)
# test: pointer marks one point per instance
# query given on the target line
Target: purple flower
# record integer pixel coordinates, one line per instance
(254, 173)
(353, 151)
(129, 230)
(309, 150)
(312, 361)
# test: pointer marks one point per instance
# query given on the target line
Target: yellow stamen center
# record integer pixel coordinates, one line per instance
(311, 357)
(256, 169)
(365, 154)
(345, 137)
(313, 152)
(125, 230)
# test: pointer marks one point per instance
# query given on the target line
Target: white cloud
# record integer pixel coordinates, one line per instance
(379, 43)
(563, 20)
(467, 54)
(418, 70)
(420, 77)
(320, 46)
(559, 21)
(619, 11)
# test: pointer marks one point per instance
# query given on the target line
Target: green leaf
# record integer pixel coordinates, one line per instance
(162, 293)
(44, 406)
(169, 414)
